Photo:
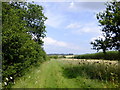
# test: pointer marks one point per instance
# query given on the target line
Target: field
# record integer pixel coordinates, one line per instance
(71, 73)
(31, 59)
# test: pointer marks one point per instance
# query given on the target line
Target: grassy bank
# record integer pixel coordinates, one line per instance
(110, 55)
(67, 74)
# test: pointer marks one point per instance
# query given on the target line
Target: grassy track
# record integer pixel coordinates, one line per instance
(50, 75)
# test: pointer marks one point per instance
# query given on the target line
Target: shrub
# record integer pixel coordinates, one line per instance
(53, 56)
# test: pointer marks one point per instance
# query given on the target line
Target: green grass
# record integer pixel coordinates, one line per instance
(54, 74)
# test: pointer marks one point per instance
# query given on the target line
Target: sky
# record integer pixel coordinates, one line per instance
(71, 26)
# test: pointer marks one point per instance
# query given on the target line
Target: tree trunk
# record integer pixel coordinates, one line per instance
(104, 51)
(118, 55)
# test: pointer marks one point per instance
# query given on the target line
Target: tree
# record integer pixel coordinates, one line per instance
(34, 19)
(99, 44)
(19, 50)
(109, 20)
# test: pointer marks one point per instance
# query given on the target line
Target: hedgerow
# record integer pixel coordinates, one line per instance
(20, 50)
(110, 55)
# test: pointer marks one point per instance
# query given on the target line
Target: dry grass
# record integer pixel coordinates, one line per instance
(92, 61)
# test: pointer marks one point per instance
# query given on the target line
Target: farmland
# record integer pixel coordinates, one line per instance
(71, 73)
(40, 40)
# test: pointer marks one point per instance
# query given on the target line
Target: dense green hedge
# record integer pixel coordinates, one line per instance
(56, 56)
(53, 56)
(110, 55)
(19, 50)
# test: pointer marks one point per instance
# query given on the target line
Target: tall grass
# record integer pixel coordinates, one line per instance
(105, 72)
(69, 74)
(110, 55)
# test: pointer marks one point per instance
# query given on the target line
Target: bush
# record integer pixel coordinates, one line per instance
(53, 56)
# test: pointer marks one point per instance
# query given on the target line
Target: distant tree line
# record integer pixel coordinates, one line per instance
(109, 20)
(61, 54)
(110, 55)
(22, 32)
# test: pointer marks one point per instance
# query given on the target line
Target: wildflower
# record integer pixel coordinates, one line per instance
(7, 79)
(112, 73)
(29, 77)
(5, 83)
(36, 82)
(11, 77)
(14, 82)
(39, 71)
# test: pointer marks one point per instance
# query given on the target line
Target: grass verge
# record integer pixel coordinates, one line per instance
(61, 74)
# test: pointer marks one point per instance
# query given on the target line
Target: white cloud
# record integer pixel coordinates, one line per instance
(51, 41)
(54, 20)
(73, 26)
(94, 38)
(72, 5)
(88, 29)
(69, 0)
(54, 46)
(78, 28)
(86, 6)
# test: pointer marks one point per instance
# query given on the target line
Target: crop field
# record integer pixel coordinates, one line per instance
(71, 73)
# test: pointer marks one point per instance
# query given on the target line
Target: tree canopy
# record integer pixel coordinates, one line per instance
(100, 44)
(109, 20)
